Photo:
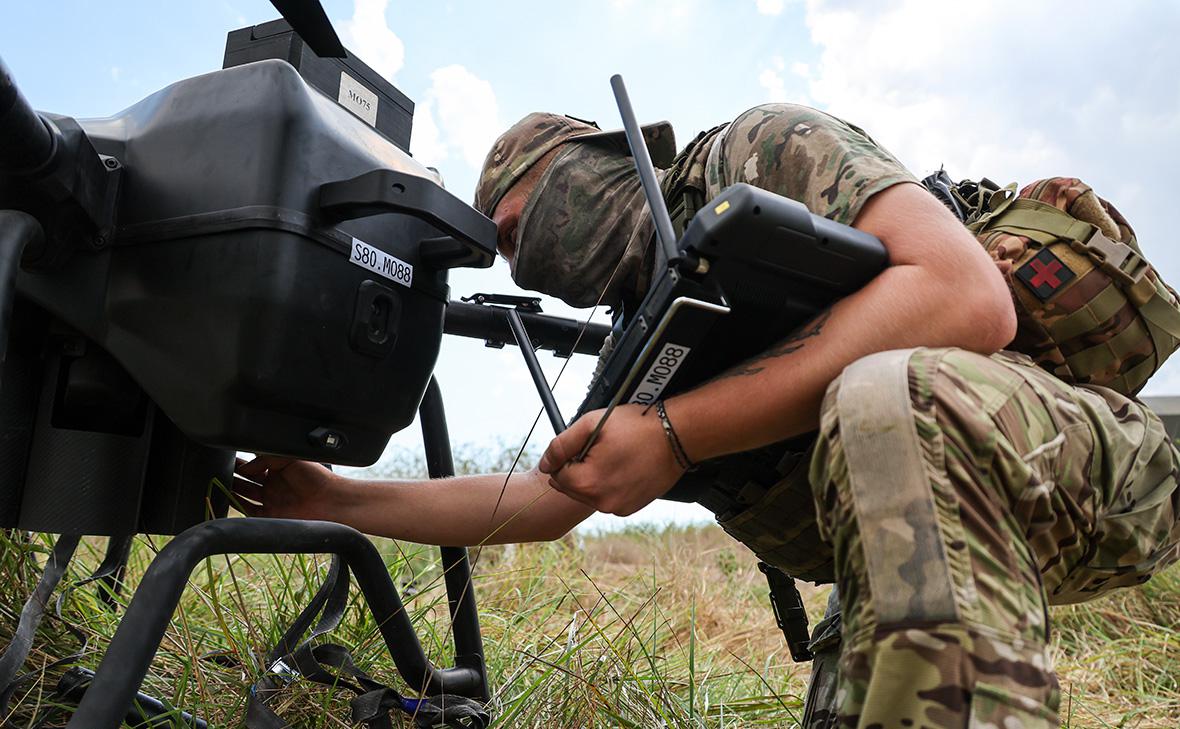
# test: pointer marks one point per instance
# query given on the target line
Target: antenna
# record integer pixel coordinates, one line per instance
(647, 173)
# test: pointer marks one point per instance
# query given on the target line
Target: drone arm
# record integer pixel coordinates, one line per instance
(25, 141)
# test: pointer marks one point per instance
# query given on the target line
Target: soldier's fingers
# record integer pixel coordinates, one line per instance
(247, 489)
(257, 468)
(566, 445)
(570, 491)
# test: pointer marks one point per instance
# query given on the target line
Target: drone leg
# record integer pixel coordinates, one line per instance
(456, 567)
(139, 633)
(530, 359)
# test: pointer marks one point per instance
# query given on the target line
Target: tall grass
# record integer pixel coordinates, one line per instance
(643, 628)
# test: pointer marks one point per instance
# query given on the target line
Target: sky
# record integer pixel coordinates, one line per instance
(1014, 91)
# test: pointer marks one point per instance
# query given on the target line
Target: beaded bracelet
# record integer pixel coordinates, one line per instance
(678, 452)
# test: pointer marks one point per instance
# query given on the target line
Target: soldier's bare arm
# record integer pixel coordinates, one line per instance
(941, 289)
(462, 511)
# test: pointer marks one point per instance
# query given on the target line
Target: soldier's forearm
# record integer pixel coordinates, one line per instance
(941, 290)
(463, 510)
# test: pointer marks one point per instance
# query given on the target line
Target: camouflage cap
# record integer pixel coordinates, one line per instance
(533, 137)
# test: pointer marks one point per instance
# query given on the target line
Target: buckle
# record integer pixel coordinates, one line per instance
(1119, 260)
(283, 671)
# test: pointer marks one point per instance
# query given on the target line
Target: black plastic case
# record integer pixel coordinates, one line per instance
(392, 113)
(233, 293)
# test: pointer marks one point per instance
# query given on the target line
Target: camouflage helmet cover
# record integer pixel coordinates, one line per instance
(531, 138)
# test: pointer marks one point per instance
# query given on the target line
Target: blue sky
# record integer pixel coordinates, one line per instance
(1011, 90)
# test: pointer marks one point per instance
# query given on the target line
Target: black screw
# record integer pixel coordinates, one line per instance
(111, 163)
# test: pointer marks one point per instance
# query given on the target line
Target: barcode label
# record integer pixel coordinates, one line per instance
(381, 263)
(659, 374)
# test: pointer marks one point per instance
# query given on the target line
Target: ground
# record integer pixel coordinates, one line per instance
(642, 628)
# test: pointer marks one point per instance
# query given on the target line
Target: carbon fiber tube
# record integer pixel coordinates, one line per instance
(530, 359)
(138, 635)
(25, 141)
(456, 566)
(548, 332)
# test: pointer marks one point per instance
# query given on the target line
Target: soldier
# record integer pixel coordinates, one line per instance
(953, 489)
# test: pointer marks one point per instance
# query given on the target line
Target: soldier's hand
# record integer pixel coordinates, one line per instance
(629, 465)
(283, 488)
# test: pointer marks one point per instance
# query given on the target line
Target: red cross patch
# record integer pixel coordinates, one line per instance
(1045, 274)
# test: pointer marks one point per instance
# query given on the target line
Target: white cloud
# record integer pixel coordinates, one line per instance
(771, 79)
(367, 34)
(770, 7)
(425, 144)
(962, 84)
(458, 115)
(1067, 90)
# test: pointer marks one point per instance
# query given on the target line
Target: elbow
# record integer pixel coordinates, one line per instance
(990, 317)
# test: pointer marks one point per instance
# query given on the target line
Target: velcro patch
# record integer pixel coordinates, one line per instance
(1045, 274)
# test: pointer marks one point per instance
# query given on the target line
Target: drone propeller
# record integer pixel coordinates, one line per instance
(308, 19)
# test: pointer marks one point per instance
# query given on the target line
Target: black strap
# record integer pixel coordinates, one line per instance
(75, 681)
(289, 661)
(789, 612)
(109, 574)
(30, 617)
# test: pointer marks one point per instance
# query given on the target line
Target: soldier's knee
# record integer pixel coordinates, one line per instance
(841, 404)
(845, 402)
(884, 393)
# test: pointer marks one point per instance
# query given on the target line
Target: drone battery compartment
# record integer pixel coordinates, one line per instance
(348, 80)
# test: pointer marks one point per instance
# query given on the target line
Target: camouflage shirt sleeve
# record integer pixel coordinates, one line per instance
(830, 166)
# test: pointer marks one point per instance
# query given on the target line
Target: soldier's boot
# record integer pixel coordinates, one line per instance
(959, 492)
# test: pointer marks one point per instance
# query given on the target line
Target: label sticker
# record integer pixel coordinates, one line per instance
(358, 99)
(381, 263)
(659, 374)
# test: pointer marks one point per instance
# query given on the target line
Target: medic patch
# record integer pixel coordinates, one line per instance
(1045, 274)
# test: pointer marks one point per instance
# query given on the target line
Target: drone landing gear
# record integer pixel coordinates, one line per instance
(137, 638)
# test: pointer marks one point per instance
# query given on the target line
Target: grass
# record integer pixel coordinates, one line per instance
(643, 628)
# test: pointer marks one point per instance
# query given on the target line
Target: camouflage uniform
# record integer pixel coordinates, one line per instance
(955, 495)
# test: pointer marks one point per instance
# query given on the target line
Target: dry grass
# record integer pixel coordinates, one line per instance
(642, 628)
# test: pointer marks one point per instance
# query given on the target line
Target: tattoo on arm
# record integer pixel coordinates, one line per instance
(791, 344)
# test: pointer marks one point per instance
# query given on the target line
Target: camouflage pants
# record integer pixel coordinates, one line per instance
(962, 495)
